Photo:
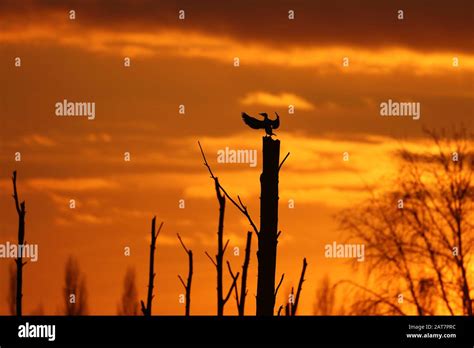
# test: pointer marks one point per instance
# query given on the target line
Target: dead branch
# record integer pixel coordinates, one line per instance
(187, 286)
(242, 208)
(279, 284)
(234, 277)
(151, 276)
(245, 266)
(300, 286)
(284, 159)
(21, 210)
(234, 283)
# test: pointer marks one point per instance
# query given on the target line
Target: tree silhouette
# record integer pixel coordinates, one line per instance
(325, 303)
(21, 211)
(292, 304)
(243, 285)
(420, 235)
(75, 292)
(300, 287)
(129, 303)
(268, 233)
(187, 285)
(221, 248)
(146, 310)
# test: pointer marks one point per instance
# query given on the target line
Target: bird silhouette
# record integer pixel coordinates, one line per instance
(266, 123)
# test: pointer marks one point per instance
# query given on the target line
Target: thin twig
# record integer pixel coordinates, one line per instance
(182, 281)
(278, 287)
(225, 246)
(300, 286)
(235, 287)
(234, 284)
(284, 159)
(181, 241)
(210, 258)
(240, 205)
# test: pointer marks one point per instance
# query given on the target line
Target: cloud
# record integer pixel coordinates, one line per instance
(82, 218)
(261, 98)
(189, 42)
(37, 139)
(70, 184)
(428, 25)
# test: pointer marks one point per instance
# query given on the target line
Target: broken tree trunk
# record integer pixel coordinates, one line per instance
(21, 210)
(219, 262)
(245, 267)
(220, 250)
(187, 285)
(268, 234)
(151, 276)
(294, 307)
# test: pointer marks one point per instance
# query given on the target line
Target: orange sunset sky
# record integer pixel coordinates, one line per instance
(191, 62)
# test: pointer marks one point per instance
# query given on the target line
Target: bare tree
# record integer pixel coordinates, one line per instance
(420, 235)
(292, 305)
(268, 240)
(240, 300)
(221, 248)
(129, 303)
(187, 285)
(300, 287)
(290, 295)
(245, 267)
(325, 303)
(146, 310)
(75, 293)
(21, 210)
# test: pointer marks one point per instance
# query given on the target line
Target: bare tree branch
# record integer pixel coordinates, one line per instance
(187, 285)
(21, 210)
(279, 284)
(234, 283)
(242, 208)
(235, 287)
(284, 159)
(182, 244)
(210, 258)
(151, 275)
(245, 266)
(300, 286)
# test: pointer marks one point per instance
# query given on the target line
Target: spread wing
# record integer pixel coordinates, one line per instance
(252, 122)
(276, 122)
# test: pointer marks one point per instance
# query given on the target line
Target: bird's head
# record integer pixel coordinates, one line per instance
(264, 114)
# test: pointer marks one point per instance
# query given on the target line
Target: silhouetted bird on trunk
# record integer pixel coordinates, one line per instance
(267, 124)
